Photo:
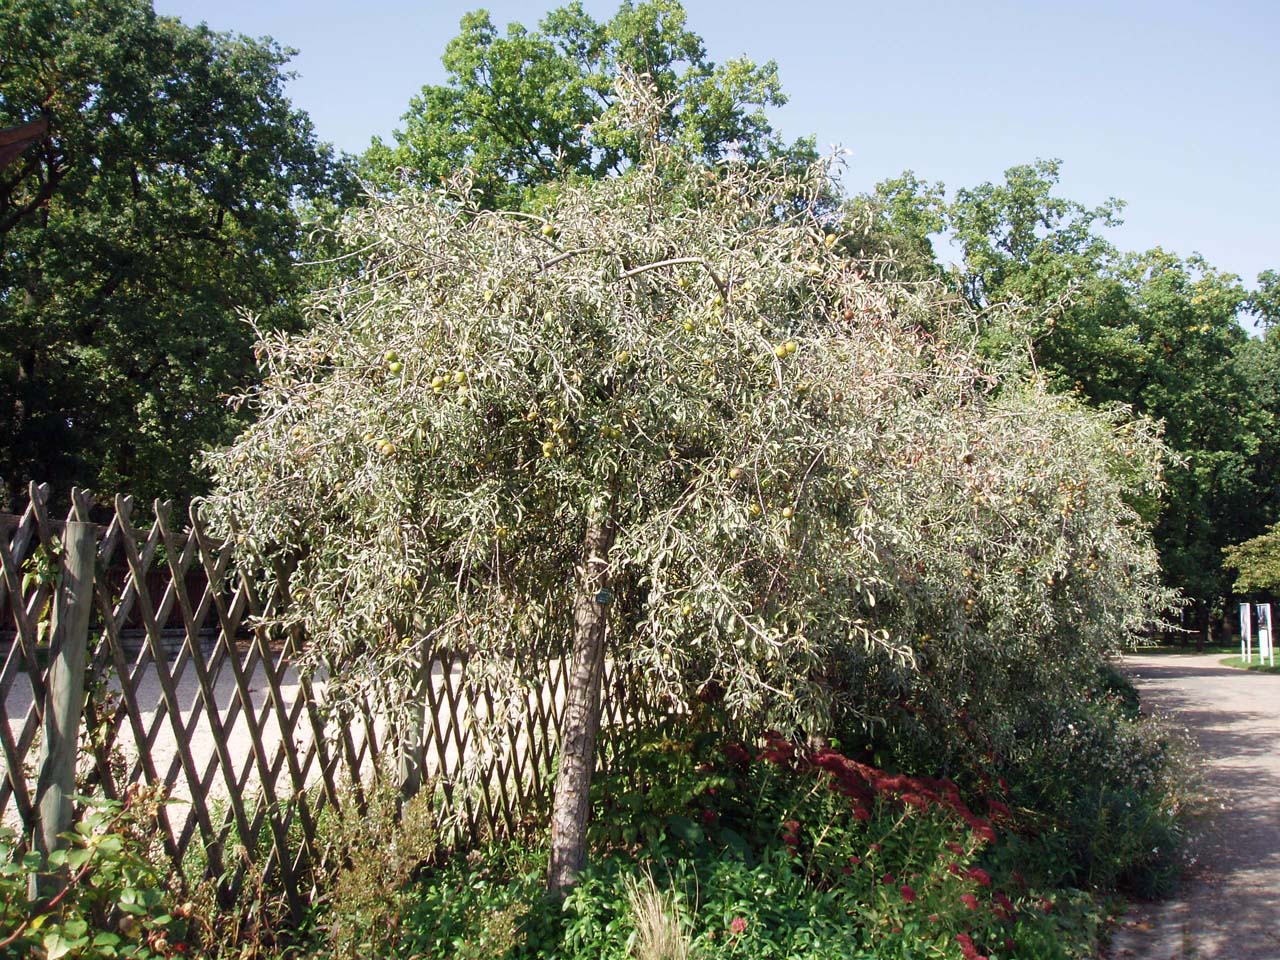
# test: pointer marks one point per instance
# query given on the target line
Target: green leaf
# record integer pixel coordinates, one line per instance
(735, 842)
(55, 945)
(685, 830)
(75, 928)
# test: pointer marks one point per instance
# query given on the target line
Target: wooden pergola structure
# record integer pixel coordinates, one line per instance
(15, 140)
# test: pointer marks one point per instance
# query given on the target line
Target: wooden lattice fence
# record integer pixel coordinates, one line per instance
(188, 692)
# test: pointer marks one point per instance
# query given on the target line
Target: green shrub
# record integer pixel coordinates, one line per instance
(1112, 797)
(768, 852)
(1103, 795)
(113, 904)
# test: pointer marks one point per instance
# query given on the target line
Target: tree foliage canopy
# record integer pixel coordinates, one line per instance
(1257, 562)
(820, 491)
(1157, 333)
(163, 201)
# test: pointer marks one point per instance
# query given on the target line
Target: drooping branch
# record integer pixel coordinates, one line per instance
(567, 255)
(676, 261)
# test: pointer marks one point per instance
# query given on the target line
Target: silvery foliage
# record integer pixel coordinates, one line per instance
(818, 484)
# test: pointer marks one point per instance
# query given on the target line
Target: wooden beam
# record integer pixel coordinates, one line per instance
(15, 140)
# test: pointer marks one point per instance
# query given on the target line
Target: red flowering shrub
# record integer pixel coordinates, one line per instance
(864, 784)
(1004, 908)
(737, 755)
(967, 948)
(979, 876)
(895, 851)
(778, 749)
(791, 835)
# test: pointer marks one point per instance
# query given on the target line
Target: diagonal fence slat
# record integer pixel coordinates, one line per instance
(194, 693)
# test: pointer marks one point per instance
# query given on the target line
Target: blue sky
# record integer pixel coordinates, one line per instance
(1173, 107)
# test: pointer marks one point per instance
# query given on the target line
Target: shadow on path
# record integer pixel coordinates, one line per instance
(1224, 910)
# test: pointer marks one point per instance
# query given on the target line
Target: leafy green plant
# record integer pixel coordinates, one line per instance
(1107, 795)
(486, 904)
(43, 571)
(375, 850)
(113, 902)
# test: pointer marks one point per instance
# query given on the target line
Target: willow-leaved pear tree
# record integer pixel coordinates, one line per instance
(664, 417)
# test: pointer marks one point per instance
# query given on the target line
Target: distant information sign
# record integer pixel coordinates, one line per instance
(1246, 632)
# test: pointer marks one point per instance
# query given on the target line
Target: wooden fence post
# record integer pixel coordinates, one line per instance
(56, 767)
(414, 728)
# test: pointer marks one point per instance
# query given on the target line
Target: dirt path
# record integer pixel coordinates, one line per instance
(1229, 908)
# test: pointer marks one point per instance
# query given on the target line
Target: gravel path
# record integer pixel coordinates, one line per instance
(1229, 908)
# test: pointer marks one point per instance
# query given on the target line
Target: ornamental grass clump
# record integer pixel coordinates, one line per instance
(664, 410)
(659, 933)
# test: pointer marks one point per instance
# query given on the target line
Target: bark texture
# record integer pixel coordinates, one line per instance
(580, 727)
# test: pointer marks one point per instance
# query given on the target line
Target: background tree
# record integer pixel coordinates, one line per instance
(894, 225)
(1264, 303)
(530, 107)
(1021, 240)
(1257, 361)
(164, 201)
(1187, 318)
(1257, 562)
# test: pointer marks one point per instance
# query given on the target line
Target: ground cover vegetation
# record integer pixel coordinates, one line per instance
(770, 851)
(656, 392)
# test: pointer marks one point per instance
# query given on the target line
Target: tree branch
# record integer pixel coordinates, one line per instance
(724, 290)
(568, 254)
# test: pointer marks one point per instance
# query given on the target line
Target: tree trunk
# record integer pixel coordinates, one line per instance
(581, 724)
